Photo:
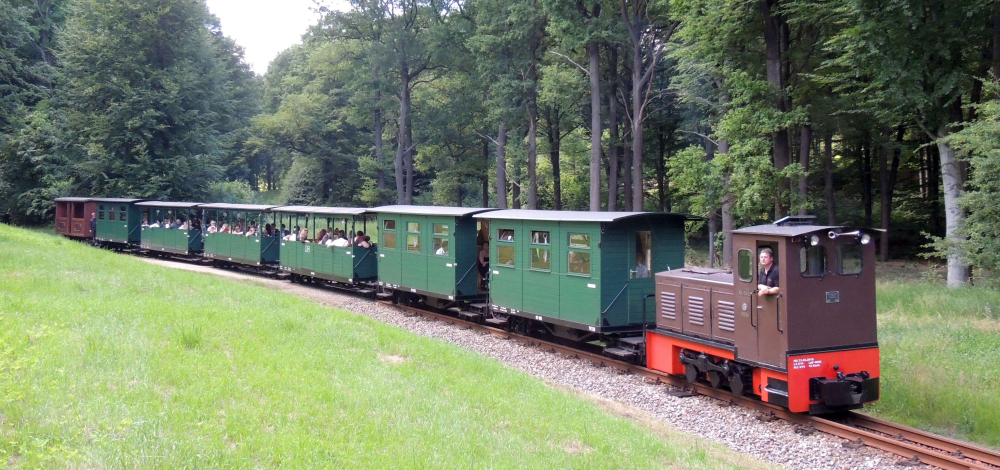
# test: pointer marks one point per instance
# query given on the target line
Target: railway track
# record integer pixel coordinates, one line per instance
(916, 447)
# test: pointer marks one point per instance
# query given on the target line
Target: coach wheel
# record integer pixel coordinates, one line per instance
(691, 373)
(395, 298)
(716, 378)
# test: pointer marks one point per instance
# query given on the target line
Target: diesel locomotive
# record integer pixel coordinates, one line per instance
(799, 333)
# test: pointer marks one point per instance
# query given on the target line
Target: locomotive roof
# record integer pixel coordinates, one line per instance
(185, 205)
(431, 210)
(797, 230)
(720, 276)
(321, 210)
(237, 207)
(574, 216)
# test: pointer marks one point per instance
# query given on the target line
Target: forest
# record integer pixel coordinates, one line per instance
(874, 113)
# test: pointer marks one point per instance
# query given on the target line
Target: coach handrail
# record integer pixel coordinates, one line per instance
(616, 297)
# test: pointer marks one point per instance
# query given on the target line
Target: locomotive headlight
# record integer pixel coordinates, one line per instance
(866, 239)
(814, 240)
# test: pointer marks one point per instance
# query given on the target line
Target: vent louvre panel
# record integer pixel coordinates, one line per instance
(696, 310)
(668, 305)
(727, 316)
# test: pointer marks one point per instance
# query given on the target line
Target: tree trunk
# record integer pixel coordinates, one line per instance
(934, 188)
(831, 203)
(554, 143)
(728, 221)
(866, 181)
(613, 129)
(627, 174)
(775, 77)
(486, 174)
(595, 126)
(637, 101)
(377, 131)
(887, 184)
(501, 167)
(951, 177)
(805, 143)
(532, 124)
(409, 156)
(661, 169)
(713, 217)
(404, 112)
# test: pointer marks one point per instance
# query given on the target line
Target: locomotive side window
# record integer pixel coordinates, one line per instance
(812, 261)
(849, 260)
(745, 264)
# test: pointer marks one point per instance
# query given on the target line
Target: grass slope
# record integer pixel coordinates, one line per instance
(109, 362)
(940, 358)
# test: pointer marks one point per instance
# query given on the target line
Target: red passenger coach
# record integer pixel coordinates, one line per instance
(73, 216)
(809, 345)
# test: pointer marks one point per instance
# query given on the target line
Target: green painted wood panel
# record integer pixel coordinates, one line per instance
(441, 270)
(505, 281)
(389, 259)
(365, 263)
(540, 292)
(579, 293)
(414, 263)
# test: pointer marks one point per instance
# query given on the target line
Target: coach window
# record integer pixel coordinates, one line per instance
(812, 261)
(100, 212)
(413, 237)
(389, 234)
(111, 213)
(643, 254)
(441, 239)
(121, 213)
(849, 261)
(745, 262)
(77, 210)
(540, 251)
(505, 247)
(578, 256)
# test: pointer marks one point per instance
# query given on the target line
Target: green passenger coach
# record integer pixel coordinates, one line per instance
(119, 221)
(170, 227)
(580, 275)
(323, 247)
(429, 254)
(241, 234)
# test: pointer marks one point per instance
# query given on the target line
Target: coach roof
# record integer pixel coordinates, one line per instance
(576, 216)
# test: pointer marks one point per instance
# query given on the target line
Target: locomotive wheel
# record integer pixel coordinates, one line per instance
(715, 378)
(737, 384)
(691, 373)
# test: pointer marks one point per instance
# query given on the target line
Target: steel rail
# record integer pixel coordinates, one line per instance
(915, 446)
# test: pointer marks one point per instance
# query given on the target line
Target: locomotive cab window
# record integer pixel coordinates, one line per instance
(849, 261)
(745, 264)
(812, 261)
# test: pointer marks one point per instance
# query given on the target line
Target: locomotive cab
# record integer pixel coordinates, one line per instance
(811, 347)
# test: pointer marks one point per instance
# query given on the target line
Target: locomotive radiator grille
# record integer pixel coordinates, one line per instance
(668, 305)
(696, 310)
(727, 316)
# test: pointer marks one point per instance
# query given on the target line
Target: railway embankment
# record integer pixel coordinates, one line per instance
(109, 362)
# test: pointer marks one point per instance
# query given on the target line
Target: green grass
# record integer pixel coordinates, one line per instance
(940, 358)
(109, 362)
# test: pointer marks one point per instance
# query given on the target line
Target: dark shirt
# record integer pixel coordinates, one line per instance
(93, 224)
(770, 278)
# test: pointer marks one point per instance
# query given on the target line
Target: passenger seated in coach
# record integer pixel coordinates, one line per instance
(252, 231)
(183, 225)
(339, 240)
(322, 236)
(145, 222)
(155, 224)
(284, 231)
(212, 228)
(359, 238)
(304, 235)
(268, 230)
(224, 229)
(367, 243)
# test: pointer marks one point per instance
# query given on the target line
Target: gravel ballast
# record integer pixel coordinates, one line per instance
(739, 429)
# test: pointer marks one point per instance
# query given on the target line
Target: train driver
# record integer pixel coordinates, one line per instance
(768, 277)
